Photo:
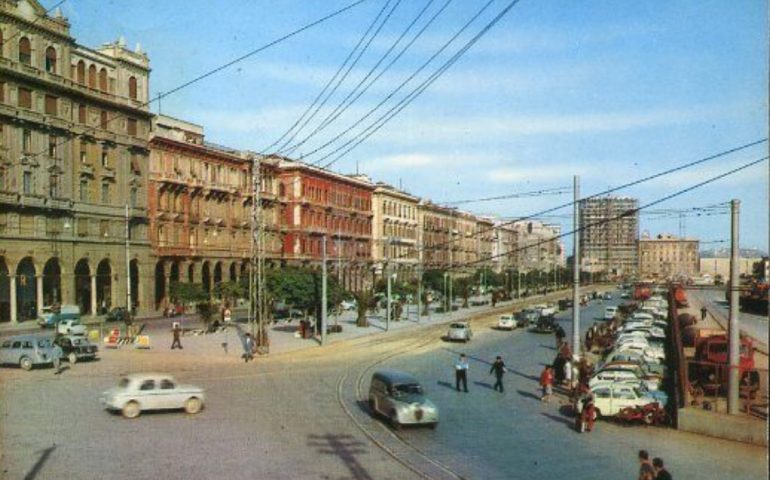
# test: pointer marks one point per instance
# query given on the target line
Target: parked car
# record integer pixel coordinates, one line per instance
(400, 398)
(151, 391)
(544, 324)
(610, 398)
(607, 296)
(545, 310)
(348, 305)
(625, 372)
(76, 348)
(117, 314)
(650, 368)
(610, 312)
(460, 331)
(527, 316)
(53, 315)
(506, 322)
(71, 326)
(625, 295)
(26, 351)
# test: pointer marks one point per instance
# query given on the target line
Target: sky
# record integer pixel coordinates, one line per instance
(611, 91)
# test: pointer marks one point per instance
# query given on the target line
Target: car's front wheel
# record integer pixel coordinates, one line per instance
(25, 363)
(72, 358)
(131, 410)
(193, 405)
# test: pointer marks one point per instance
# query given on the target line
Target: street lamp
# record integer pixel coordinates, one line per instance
(391, 276)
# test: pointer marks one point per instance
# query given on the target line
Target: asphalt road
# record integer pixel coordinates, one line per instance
(284, 416)
(753, 324)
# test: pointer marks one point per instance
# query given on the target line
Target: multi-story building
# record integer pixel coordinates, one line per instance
(200, 208)
(395, 229)
(437, 234)
(668, 257)
(486, 242)
(537, 246)
(608, 236)
(506, 241)
(320, 204)
(466, 244)
(73, 160)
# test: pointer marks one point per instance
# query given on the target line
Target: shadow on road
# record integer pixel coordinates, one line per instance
(527, 394)
(470, 357)
(524, 375)
(446, 384)
(557, 418)
(40, 462)
(547, 346)
(346, 448)
(484, 384)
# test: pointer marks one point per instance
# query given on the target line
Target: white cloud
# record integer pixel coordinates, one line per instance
(539, 173)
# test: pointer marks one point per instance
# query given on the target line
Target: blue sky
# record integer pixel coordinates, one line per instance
(609, 90)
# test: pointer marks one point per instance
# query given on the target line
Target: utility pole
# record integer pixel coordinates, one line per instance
(576, 266)
(128, 265)
(419, 283)
(386, 272)
(733, 397)
(323, 293)
(257, 297)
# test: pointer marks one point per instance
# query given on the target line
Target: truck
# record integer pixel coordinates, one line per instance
(710, 362)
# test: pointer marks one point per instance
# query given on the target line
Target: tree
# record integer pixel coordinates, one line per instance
(187, 293)
(462, 286)
(363, 300)
(231, 291)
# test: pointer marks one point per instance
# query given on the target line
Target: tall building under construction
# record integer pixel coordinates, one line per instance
(609, 235)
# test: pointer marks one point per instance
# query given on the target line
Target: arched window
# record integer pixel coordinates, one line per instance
(81, 72)
(92, 76)
(25, 51)
(132, 87)
(50, 60)
(103, 79)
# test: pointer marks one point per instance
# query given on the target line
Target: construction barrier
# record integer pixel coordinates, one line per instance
(93, 335)
(142, 341)
(112, 340)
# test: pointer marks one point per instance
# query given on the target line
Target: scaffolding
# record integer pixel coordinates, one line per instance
(257, 292)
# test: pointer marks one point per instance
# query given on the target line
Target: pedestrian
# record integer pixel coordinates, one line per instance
(177, 331)
(646, 472)
(546, 382)
(703, 312)
(248, 346)
(56, 355)
(498, 367)
(461, 373)
(558, 368)
(567, 373)
(560, 334)
(660, 471)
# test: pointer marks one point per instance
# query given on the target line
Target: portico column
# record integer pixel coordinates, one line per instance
(93, 295)
(12, 292)
(39, 293)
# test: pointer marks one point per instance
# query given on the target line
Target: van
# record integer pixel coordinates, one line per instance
(26, 351)
(400, 398)
(610, 312)
(52, 317)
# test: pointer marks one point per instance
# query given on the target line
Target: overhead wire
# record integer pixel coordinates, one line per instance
(534, 193)
(290, 130)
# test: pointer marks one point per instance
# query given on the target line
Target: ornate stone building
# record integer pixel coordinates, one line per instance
(437, 230)
(199, 203)
(395, 229)
(73, 160)
(669, 257)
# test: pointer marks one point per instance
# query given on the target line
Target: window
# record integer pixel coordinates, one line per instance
(2, 92)
(50, 60)
(103, 79)
(105, 192)
(147, 385)
(92, 76)
(81, 72)
(104, 228)
(2, 179)
(82, 227)
(166, 384)
(50, 105)
(132, 93)
(103, 120)
(27, 183)
(83, 152)
(131, 126)
(25, 98)
(52, 145)
(133, 196)
(53, 186)
(26, 140)
(25, 51)
(83, 194)
(105, 156)
(82, 114)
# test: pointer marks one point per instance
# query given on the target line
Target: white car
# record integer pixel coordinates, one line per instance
(151, 391)
(545, 310)
(71, 326)
(460, 331)
(625, 372)
(647, 352)
(610, 312)
(642, 316)
(506, 322)
(610, 398)
(348, 305)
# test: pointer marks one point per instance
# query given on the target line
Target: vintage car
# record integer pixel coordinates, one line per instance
(527, 316)
(400, 398)
(460, 331)
(71, 326)
(649, 367)
(51, 315)
(26, 351)
(610, 312)
(611, 397)
(545, 309)
(621, 372)
(151, 391)
(76, 348)
(506, 322)
(117, 314)
(545, 324)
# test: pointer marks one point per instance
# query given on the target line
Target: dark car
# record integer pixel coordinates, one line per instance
(565, 303)
(545, 324)
(76, 348)
(117, 314)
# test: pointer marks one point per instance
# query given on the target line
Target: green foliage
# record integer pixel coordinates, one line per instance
(301, 288)
(187, 292)
(206, 310)
(363, 301)
(433, 280)
(230, 291)
(462, 286)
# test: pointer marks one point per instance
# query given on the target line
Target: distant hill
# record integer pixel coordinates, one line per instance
(725, 253)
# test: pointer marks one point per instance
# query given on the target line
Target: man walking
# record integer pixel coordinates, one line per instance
(461, 373)
(646, 472)
(703, 312)
(660, 471)
(248, 347)
(498, 367)
(57, 354)
(177, 331)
